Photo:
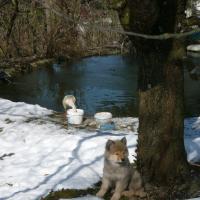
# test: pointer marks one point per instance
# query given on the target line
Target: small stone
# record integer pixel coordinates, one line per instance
(117, 127)
(93, 123)
(87, 122)
(80, 126)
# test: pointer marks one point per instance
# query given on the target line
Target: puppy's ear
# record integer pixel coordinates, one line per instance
(109, 143)
(123, 140)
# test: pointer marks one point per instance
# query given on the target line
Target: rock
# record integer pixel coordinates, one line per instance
(5, 77)
(87, 121)
(123, 126)
(90, 122)
(80, 126)
(40, 63)
(93, 123)
(117, 127)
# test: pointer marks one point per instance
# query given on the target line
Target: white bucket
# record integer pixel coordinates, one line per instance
(75, 116)
(103, 117)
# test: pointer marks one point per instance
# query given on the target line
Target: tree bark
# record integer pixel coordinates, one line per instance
(12, 20)
(161, 155)
(48, 14)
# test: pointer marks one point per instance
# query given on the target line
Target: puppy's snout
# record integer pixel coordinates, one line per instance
(123, 159)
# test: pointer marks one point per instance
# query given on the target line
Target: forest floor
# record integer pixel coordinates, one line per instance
(39, 154)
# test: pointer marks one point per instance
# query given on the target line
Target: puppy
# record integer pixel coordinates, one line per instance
(118, 172)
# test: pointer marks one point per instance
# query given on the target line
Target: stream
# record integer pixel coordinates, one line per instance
(106, 83)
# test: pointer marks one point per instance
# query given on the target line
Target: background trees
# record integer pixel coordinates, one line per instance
(32, 28)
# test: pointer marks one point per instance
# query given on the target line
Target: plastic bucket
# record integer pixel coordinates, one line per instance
(103, 117)
(75, 116)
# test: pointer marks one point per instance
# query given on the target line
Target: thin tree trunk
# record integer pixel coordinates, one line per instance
(48, 14)
(12, 20)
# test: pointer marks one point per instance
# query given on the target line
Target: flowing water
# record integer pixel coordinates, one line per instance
(106, 83)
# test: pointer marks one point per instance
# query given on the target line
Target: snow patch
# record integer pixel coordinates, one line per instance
(38, 155)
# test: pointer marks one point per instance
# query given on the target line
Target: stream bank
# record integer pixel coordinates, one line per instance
(13, 67)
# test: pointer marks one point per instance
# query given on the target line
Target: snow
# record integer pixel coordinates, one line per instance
(193, 47)
(192, 139)
(198, 198)
(38, 155)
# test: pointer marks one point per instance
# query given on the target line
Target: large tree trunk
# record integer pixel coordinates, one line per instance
(161, 154)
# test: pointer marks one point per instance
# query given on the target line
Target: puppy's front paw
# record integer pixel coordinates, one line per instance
(142, 194)
(100, 194)
(116, 196)
(127, 193)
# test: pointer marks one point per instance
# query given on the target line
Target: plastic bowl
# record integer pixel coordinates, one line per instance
(75, 116)
(103, 117)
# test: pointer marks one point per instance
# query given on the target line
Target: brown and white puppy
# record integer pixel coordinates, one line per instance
(118, 172)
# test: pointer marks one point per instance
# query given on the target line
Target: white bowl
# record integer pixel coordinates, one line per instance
(103, 117)
(75, 116)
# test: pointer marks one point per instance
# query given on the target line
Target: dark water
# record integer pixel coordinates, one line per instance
(192, 86)
(99, 83)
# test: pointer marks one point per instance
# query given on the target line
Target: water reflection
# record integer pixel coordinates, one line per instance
(99, 83)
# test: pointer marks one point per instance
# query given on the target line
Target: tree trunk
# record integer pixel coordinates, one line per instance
(161, 155)
(48, 14)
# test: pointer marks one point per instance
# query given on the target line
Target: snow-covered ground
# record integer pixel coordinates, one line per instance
(38, 155)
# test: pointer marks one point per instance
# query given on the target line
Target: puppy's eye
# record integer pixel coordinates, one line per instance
(117, 154)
